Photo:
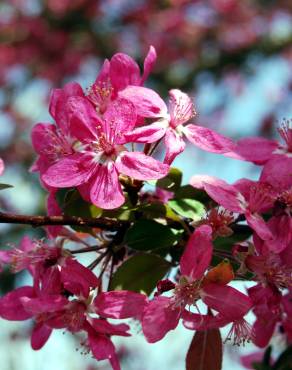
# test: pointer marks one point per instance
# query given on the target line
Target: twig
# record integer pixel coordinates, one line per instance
(37, 221)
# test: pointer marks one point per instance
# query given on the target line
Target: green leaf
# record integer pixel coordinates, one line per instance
(74, 205)
(188, 208)
(148, 235)
(152, 210)
(187, 191)
(172, 181)
(205, 352)
(140, 273)
(126, 212)
(226, 243)
(5, 186)
(284, 362)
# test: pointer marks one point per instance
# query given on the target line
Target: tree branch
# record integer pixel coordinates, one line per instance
(37, 221)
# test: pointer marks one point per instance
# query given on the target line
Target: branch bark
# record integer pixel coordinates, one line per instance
(37, 221)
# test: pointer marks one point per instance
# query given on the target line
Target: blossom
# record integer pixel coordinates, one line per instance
(54, 141)
(163, 313)
(1, 167)
(246, 197)
(170, 123)
(115, 75)
(101, 155)
(260, 150)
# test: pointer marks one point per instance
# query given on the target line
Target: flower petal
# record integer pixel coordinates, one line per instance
(198, 253)
(208, 140)
(159, 318)
(58, 104)
(257, 223)
(181, 108)
(140, 166)
(174, 145)
(85, 124)
(120, 117)
(40, 335)
(44, 304)
(148, 64)
(11, 307)
(147, 134)
(102, 348)
(226, 195)
(104, 327)
(277, 172)
(124, 71)
(254, 149)
(198, 181)
(120, 304)
(106, 191)
(146, 101)
(226, 300)
(1, 167)
(72, 170)
(77, 278)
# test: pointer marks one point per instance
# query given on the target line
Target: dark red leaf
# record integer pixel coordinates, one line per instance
(205, 352)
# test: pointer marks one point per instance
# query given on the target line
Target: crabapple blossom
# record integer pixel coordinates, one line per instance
(157, 255)
(169, 123)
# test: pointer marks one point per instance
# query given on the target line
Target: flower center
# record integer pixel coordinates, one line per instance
(261, 196)
(186, 293)
(241, 332)
(285, 130)
(59, 145)
(100, 94)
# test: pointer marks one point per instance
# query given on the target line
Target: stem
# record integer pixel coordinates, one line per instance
(104, 266)
(154, 147)
(97, 260)
(88, 249)
(37, 221)
(111, 273)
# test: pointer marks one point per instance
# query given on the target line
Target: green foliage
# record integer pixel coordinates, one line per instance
(147, 235)
(172, 181)
(284, 361)
(72, 204)
(226, 243)
(188, 208)
(5, 186)
(140, 273)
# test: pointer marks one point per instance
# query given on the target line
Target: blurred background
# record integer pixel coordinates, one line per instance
(234, 57)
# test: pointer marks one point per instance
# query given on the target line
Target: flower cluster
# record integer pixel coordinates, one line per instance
(164, 256)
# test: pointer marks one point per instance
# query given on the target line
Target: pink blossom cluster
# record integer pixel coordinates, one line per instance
(61, 297)
(91, 147)
(266, 206)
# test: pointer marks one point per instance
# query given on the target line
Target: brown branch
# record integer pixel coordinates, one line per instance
(37, 221)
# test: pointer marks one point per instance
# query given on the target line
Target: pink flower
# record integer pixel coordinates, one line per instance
(245, 197)
(162, 314)
(170, 123)
(120, 304)
(30, 302)
(30, 255)
(115, 75)
(1, 167)
(50, 141)
(99, 333)
(260, 150)
(101, 155)
(267, 309)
